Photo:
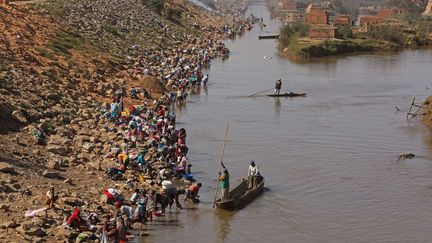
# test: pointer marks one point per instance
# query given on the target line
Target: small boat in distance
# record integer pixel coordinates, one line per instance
(241, 195)
(290, 94)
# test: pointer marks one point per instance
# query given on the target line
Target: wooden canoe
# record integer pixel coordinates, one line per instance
(267, 37)
(291, 94)
(241, 195)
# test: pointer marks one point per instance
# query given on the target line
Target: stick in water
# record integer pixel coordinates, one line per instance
(220, 164)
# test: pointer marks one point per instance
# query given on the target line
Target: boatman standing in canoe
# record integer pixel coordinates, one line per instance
(278, 86)
(224, 184)
(253, 174)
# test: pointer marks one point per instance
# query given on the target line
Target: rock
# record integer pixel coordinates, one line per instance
(51, 174)
(6, 168)
(54, 164)
(6, 189)
(31, 230)
(79, 140)
(104, 199)
(71, 201)
(59, 140)
(9, 225)
(61, 234)
(57, 149)
(4, 207)
(88, 146)
(19, 116)
(68, 181)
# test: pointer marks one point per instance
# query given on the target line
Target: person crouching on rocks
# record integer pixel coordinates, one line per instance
(75, 221)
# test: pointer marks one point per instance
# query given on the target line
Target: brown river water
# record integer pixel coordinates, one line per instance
(330, 159)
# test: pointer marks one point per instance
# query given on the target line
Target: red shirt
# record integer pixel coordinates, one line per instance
(194, 188)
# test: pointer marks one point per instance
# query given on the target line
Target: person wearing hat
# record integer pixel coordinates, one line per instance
(253, 173)
(224, 184)
(278, 86)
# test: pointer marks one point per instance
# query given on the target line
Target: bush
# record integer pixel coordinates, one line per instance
(387, 34)
(157, 5)
(65, 40)
(173, 14)
(111, 29)
(345, 32)
(288, 31)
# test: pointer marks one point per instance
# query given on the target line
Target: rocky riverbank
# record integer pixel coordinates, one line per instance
(61, 62)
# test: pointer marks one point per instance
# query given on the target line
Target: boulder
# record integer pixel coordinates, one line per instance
(30, 230)
(88, 146)
(51, 174)
(9, 224)
(6, 188)
(71, 201)
(4, 207)
(79, 140)
(6, 168)
(57, 149)
(68, 181)
(62, 234)
(54, 164)
(19, 116)
(59, 140)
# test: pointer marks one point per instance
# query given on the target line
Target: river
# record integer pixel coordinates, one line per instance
(329, 159)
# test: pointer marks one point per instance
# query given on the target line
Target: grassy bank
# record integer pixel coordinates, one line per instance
(304, 48)
(295, 44)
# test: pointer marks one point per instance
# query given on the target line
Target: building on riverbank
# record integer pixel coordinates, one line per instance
(290, 5)
(322, 32)
(368, 20)
(294, 17)
(343, 20)
(316, 15)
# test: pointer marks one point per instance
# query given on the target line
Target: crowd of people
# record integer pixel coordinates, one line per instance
(151, 158)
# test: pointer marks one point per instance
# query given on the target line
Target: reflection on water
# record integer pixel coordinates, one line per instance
(277, 106)
(224, 223)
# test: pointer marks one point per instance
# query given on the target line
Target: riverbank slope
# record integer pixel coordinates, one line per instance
(61, 62)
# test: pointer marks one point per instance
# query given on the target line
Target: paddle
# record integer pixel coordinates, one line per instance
(220, 164)
(260, 92)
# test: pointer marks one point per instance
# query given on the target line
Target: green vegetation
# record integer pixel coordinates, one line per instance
(290, 33)
(350, 7)
(345, 32)
(156, 5)
(50, 8)
(334, 47)
(111, 29)
(173, 14)
(44, 52)
(52, 74)
(65, 40)
(24, 105)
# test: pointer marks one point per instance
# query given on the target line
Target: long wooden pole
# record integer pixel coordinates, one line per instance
(220, 164)
(260, 92)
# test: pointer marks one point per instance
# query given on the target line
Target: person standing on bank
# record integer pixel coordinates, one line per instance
(278, 87)
(224, 184)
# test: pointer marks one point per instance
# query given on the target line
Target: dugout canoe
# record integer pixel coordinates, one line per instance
(241, 196)
(291, 94)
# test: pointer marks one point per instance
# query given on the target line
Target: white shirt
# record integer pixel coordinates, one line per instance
(253, 170)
